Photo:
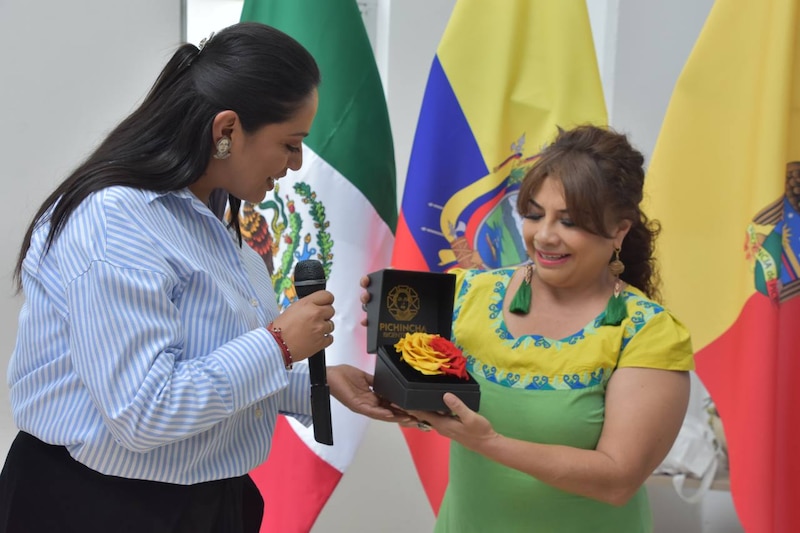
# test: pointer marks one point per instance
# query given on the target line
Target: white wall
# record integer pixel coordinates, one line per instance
(69, 71)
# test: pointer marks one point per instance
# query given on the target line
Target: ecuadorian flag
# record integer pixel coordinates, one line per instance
(504, 76)
(725, 183)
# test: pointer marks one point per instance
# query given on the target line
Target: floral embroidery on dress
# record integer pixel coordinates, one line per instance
(571, 381)
(644, 311)
(639, 318)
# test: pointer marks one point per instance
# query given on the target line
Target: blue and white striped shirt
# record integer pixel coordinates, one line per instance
(141, 345)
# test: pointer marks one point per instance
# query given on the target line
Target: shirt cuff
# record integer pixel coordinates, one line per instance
(296, 398)
(254, 364)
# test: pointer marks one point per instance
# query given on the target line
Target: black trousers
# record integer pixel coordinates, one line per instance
(43, 489)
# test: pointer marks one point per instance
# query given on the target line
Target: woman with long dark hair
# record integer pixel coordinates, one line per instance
(151, 360)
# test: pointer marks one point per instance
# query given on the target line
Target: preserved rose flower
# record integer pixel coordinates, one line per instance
(432, 354)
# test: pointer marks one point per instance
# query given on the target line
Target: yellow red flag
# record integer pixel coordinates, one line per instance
(725, 183)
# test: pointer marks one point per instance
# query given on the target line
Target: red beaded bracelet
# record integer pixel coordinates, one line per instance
(287, 355)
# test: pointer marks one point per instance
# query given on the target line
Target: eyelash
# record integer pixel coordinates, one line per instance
(294, 149)
(565, 221)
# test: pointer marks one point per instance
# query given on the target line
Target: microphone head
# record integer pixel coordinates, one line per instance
(309, 269)
(309, 276)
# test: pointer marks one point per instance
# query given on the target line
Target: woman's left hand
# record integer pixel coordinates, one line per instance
(463, 425)
(353, 388)
(365, 297)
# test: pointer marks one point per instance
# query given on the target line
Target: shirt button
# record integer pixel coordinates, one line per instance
(259, 412)
(254, 302)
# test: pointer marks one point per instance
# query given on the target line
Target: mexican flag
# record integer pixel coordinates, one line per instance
(505, 75)
(725, 183)
(340, 209)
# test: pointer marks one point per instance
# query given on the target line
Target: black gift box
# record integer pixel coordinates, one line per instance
(405, 301)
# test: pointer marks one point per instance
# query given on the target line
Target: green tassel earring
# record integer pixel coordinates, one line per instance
(521, 303)
(616, 310)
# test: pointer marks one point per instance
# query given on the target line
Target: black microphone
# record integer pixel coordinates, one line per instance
(309, 277)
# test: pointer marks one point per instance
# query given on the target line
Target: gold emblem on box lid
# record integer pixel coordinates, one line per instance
(402, 302)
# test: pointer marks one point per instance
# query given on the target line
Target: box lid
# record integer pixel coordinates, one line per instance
(408, 301)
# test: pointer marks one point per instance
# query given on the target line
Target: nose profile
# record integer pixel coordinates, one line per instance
(545, 234)
(296, 160)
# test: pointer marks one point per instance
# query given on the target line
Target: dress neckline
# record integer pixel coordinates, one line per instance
(592, 325)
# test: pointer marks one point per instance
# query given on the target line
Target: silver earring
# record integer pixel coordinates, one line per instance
(223, 148)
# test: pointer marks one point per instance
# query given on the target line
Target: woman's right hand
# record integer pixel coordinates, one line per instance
(306, 325)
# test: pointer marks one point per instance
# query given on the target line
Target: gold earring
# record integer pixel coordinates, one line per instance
(616, 266)
(223, 148)
(616, 309)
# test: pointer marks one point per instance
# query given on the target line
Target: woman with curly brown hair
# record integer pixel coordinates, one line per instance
(583, 374)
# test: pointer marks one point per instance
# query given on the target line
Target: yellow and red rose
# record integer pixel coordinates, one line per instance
(432, 354)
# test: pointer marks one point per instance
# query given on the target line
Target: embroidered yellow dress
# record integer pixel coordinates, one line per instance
(547, 391)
